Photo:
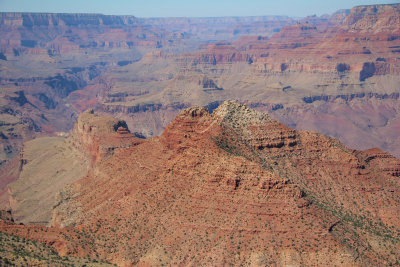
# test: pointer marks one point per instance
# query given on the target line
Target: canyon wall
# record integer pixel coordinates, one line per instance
(309, 75)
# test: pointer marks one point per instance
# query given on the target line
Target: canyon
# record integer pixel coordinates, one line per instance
(118, 144)
(51, 67)
(316, 77)
(55, 66)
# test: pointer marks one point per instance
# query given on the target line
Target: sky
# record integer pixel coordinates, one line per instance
(187, 8)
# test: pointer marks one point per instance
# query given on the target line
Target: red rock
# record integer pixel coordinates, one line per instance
(99, 136)
(205, 187)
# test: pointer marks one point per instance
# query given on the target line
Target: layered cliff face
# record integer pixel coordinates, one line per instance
(61, 33)
(231, 187)
(323, 74)
(366, 34)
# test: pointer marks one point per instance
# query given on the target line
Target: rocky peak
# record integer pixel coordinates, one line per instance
(231, 124)
(238, 114)
(230, 113)
(244, 128)
(384, 161)
(339, 15)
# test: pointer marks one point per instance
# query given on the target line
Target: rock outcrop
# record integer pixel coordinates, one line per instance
(49, 164)
(100, 136)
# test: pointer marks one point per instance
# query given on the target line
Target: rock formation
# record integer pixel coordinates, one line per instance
(337, 75)
(231, 187)
(48, 164)
(51, 66)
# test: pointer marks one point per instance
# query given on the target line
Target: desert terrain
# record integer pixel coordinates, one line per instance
(257, 141)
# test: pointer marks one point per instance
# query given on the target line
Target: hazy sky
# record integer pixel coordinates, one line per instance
(186, 8)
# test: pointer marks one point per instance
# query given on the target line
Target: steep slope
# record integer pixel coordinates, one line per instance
(232, 187)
